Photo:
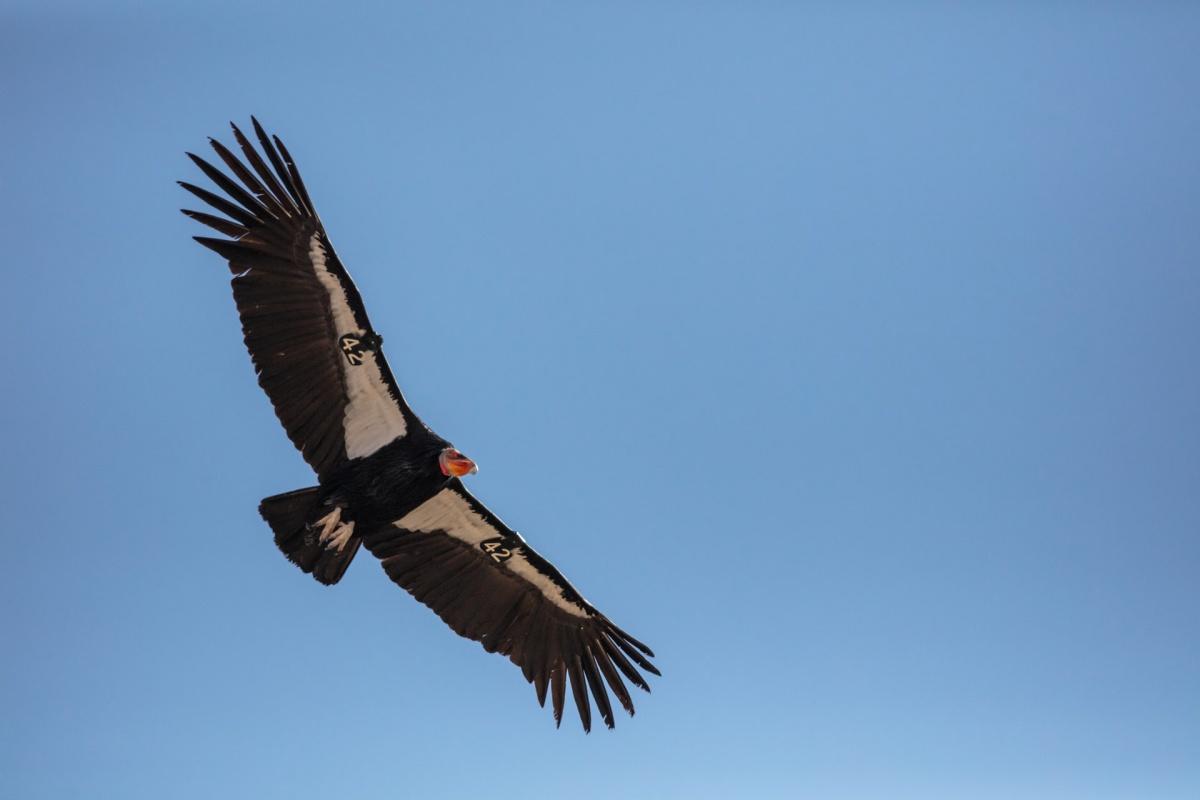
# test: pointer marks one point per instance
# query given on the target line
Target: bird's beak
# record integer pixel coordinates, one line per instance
(455, 464)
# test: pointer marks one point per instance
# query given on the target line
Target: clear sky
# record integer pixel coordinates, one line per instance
(844, 353)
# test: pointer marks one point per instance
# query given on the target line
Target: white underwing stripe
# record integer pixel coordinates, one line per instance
(372, 418)
(518, 565)
(449, 512)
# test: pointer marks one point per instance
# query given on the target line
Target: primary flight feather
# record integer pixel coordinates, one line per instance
(386, 480)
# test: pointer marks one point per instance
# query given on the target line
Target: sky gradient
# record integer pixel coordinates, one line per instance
(846, 355)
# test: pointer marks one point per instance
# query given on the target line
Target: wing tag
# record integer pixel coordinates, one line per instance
(356, 345)
(498, 549)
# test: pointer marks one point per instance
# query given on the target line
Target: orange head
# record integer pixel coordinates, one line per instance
(454, 464)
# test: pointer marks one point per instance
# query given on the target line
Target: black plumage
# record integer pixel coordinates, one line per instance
(386, 480)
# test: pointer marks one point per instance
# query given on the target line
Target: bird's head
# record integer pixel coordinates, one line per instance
(454, 464)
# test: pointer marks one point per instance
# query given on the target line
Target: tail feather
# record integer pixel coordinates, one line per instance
(313, 536)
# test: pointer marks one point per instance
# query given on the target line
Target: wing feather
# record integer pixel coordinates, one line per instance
(248, 179)
(596, 685)
(217, 223)
(280, 171)
(297, 181)
(221, 204)
(579, 690)
(230, 187)
(269, 180)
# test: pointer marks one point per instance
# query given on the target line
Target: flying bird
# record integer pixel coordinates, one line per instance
(385, 480)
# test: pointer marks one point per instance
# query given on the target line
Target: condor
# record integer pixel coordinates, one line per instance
(385, 480)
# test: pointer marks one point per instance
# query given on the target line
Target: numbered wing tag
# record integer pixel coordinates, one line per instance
(355, 346)
(500, 549)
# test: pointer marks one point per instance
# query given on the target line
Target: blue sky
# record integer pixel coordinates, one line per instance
(845, 353)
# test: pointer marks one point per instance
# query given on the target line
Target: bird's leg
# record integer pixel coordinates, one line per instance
(334, 533)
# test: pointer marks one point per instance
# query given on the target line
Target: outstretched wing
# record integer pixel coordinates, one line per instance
(486, 583)
(316, 354)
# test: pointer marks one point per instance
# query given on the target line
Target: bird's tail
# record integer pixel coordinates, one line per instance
(312, 535)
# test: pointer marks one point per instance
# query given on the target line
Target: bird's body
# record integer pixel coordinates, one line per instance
(390, 482)
(385, 480)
